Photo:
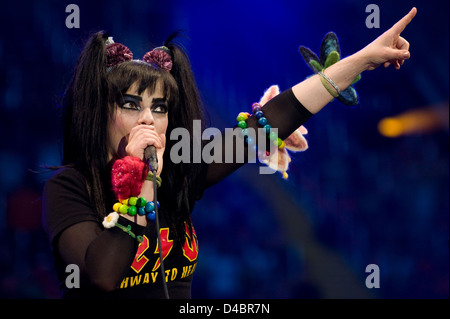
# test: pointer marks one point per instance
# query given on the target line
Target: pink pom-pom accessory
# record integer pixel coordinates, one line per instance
(160, 58)
(117, 53)
(127, 176)
(279, 159)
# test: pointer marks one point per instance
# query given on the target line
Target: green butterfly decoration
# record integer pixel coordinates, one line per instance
(330, 53)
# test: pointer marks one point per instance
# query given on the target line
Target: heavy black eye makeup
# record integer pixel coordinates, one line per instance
(159, 106)
(130, 102)
(133, 102)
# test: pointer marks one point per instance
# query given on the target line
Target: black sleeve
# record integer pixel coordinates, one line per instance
(283, 112)
(77, 236)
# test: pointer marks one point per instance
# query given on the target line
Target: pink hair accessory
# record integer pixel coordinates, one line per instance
(160, 57)
(279, 159)
(127, 176)
(117, 53)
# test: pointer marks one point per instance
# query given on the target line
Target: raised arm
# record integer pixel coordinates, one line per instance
(292, 108)
(389, 48)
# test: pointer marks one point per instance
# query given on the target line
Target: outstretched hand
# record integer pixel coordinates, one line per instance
(389, 48)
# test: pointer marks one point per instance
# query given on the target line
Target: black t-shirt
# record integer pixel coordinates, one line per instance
(111, 263)
(66, 204)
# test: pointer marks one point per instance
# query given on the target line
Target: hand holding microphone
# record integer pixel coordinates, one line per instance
(144, 142)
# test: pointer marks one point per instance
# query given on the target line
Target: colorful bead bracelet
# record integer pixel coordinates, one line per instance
(262, 121)
(136, 206)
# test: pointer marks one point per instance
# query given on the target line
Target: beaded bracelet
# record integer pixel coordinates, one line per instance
(111, 221)
(136, 206)
(262, 121)
(150, 178)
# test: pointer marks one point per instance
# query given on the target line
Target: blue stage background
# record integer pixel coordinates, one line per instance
(353, 199)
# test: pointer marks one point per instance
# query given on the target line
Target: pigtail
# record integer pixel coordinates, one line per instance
(182, 180)
(85, 118)
(189, 97)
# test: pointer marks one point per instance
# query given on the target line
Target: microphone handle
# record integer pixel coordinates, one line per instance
(152, 159)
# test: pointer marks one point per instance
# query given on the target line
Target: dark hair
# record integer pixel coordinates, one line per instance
(88, 103)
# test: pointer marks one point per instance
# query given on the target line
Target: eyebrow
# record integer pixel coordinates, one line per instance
(154, 100)
(137, 97)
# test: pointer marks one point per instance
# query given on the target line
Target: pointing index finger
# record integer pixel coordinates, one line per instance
(401, 24)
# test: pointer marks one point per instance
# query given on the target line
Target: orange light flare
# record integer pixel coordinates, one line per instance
(416, 121)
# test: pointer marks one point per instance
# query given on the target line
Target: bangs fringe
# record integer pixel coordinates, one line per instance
(123, 76)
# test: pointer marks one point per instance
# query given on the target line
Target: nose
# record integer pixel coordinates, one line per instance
(146, 117)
